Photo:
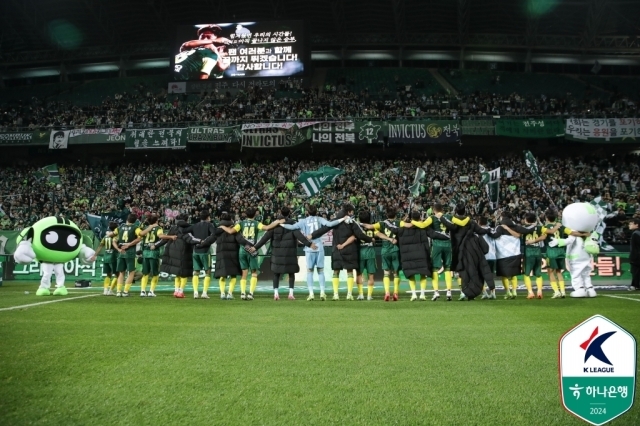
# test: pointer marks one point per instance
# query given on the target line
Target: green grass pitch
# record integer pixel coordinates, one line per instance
(105, 360)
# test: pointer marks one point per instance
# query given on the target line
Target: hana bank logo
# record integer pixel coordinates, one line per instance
(593, 349)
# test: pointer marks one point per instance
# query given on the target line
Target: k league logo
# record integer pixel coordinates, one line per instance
(597, 370)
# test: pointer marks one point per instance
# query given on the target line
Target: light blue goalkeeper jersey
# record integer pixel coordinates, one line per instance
(308, 226)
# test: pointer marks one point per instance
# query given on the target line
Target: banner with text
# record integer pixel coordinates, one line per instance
(91, 136)
(156, 139)
(272, 138)
(439, 131)
(598, 130)
(477, 127)
(348, 132)
(530, 128)
(204, 134)
(24, 138)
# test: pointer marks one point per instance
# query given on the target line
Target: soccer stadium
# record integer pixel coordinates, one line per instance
(319, 212)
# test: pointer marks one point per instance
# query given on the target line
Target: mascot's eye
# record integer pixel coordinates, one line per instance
(72, 240)
(51, 237)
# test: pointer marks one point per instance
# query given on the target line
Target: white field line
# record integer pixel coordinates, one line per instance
(621, 297)
(46, 303)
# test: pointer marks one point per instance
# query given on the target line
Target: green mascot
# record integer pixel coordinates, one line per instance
(52, 241)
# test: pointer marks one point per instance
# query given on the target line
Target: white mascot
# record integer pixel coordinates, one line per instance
(582, 218)
(52, 241)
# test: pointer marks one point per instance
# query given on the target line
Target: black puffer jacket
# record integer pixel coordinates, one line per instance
(458, 227)
(284, 248)
(347, 258)
(227, 248)
(177, 257)
(415, 249)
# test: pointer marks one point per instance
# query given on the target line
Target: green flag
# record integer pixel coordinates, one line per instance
(50, 173)
(532, 164)
(313, 181)
(415, 187)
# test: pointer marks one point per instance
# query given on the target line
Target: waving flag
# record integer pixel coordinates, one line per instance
(313, 181)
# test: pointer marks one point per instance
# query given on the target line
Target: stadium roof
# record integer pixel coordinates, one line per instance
(45, 30)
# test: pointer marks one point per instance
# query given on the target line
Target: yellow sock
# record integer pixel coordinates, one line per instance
(154, 283)
(561, 283)
(554, 286)
(176, 283)
(336, 284)
(435, 280)
(396, 284)
(119, 287)
(370, 290)
(539, 283)
(127, 287)
(107, 282)
(232, 284)
(243, 286)
(514, 283)
(505, 283)
(527, 283)
(423, 283)
(195, 283)
(183, 283)
(223, 282)
(448, 280)
(114, 282)
(459, 282)
(143, 282)
(412, 284)
(349, 284)
(254, 283)
(386, 281)
(360, 289)
(207, 282)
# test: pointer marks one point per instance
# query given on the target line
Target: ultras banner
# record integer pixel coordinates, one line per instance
(207, 134)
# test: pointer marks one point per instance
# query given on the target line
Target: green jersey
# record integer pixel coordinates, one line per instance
(191, 63)
(439, 227)
(107, 242)
(249, 229)
(366, 249)
(387, 247)
(150, 239)
(536, 248)
(127, 233)
(562, 232)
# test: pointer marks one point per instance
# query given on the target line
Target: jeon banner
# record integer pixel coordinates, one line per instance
(91, 136)
(530, 128)
(438, 131)
(156, 139)
(24, 138)
(204, 134)
(347, 132)
(598, 130)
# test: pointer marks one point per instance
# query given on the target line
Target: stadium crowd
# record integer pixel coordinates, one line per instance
(189, 187)
(151, 106)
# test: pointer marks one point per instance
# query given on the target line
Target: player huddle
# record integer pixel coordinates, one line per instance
(439, 246)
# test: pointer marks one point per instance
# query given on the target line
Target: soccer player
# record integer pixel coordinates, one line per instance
(201, 258)
(390, 253)
(441, 251)
(284, 259)
(490, 255)
(127, 236)
(313, 258)
(249, 228)
(151, 255)
(367, 255)
(556, 256)
(109, 260)
(198, 58)
(532, 242)
(177, 258)
(347, 256)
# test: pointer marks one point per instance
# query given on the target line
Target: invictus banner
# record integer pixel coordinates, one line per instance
(272, 138)
(439, 131)
(348, 132)
(212, 134)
